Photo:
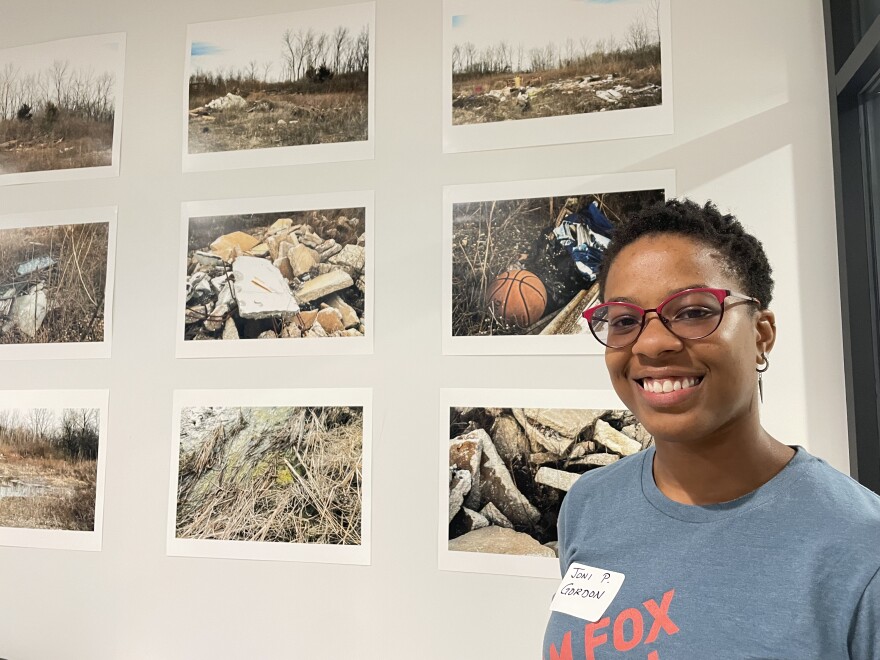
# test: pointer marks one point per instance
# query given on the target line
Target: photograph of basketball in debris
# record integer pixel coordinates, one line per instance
(528, 266)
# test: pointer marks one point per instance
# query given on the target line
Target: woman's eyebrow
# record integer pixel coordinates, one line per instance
(670, 292)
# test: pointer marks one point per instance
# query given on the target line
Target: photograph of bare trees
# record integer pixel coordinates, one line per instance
(528, 266)
(48, 467)
(55, 280)
(510, 468)
(274, 269)
(59, 105)
(282, 474)
(555, 58)
(280, 81)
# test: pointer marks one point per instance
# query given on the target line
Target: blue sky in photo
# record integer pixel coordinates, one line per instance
(458, 21)
(204, 48)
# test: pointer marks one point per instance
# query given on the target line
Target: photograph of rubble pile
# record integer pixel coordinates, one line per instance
(271, 474)
(56, 284)
(524, 74)
(276, 276)
(522, 259)
(52, 455)
(282, 89)
(60, 104)
(507, 460)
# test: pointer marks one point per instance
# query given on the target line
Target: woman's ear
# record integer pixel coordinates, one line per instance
(765, 330)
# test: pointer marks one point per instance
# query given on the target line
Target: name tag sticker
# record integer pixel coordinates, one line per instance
(586, 592)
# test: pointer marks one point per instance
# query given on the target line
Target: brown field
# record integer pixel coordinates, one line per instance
(74, 286)
(573, 89)
(285, 475)
(67, 143)
(280, 115)
(491, 237)
(48, 477)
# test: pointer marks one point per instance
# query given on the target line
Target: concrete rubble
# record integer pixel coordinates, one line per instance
(509, 469)
(298, 278)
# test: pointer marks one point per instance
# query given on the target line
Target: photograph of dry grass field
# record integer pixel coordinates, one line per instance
(556, 58)
(528, 266)
(55, 279)
(288, 80)
(59, 102)
(48, 467)
(285, 474)
(522, 73)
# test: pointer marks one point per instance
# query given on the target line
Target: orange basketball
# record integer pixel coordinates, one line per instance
(517, 296)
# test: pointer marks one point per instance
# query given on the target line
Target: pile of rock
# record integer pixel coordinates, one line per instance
(510, 469)
(283, 281)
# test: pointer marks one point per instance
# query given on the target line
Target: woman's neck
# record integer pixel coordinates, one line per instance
(722, 468)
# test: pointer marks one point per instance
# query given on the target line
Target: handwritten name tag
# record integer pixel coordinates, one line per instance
(586, 592)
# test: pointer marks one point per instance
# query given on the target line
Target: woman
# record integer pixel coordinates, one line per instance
(728, 542)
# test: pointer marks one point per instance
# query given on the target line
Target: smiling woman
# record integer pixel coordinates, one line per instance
(725, 536)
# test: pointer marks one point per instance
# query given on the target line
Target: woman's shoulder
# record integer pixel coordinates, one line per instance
(839, 494)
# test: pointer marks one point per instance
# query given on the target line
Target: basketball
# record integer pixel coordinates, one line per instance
(517, 296)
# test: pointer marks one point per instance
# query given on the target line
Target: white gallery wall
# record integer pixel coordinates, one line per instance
(751, 133)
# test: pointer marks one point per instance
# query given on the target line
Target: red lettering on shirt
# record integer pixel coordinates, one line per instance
(638, 629)
(591, 642)
(653, 655)
(661, 616)
(565, 653)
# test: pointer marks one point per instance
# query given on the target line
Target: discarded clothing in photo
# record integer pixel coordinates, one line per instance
(585, 234)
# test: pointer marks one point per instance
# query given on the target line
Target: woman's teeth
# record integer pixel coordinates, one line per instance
(664, 385)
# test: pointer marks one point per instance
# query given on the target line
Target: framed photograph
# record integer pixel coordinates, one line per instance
(507, 459)
(521, 259)
(280, 90)
(271, 474)
(53, 448)
(276, 276)
(523, 74)
(56, 284)
(61, 109)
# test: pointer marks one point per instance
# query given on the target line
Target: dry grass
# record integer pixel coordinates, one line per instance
(298, 482)
(491, 237)
(473, 105)
(69, 484)
(74, 287)
(298, 115)
(67, 143)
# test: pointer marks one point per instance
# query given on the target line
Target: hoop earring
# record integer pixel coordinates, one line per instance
(761, 371)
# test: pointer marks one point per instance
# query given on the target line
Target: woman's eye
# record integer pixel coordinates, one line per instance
(621, 323)
(693, 314)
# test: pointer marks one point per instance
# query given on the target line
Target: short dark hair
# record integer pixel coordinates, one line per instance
(742, 253)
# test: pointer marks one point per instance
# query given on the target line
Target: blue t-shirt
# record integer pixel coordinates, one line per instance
(790, 571)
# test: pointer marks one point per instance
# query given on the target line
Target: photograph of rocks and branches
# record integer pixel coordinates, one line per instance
(59, 116)
(279, 474)
(286, 84)
(529, 266)
(48, 467)
(284, 275)
(569, 58)
(52, 283)
(509, 469)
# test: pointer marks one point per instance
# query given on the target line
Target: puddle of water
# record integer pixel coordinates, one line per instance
(16, 488)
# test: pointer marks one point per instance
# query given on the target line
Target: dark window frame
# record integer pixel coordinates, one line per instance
(853, 58)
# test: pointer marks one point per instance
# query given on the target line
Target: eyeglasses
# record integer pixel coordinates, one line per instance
(689, 314)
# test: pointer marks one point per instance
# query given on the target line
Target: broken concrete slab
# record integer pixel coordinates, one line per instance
(39, 263)
(501, 541)
(558, 479)
(225, 246)
(323, 285)
(261, 290)
(609, 437)
(29, 311)
(349, 316)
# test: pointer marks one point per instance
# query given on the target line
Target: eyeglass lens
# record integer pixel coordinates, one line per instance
(689, 315)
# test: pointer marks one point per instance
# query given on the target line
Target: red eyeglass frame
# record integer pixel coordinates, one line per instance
(720, 294)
